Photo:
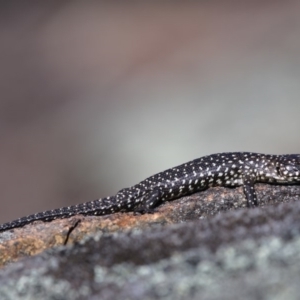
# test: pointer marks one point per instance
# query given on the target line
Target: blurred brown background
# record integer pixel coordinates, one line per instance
(95, 97)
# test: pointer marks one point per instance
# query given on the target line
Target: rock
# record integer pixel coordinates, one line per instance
(225, 251)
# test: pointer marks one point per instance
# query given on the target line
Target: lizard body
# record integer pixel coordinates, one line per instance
(222, 169)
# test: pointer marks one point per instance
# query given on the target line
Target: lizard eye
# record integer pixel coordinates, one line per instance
(280, 171)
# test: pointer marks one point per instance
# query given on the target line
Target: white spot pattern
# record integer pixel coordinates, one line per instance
(222, 169)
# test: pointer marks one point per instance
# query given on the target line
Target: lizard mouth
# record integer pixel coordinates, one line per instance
(288, 179)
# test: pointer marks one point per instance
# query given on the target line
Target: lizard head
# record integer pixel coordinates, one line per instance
(289, 168)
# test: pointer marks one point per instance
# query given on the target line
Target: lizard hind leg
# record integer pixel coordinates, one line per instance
(148, 202)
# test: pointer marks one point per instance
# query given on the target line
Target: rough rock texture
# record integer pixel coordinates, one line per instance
(235, 254)
(39, 236)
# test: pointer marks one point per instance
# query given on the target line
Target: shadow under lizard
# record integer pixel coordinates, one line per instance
(223, 169)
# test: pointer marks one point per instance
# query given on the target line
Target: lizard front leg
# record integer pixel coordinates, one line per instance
(249, 191)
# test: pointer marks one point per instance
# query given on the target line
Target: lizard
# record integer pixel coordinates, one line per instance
(230, 169)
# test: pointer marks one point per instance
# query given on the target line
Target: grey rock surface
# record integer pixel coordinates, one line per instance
(239, 254)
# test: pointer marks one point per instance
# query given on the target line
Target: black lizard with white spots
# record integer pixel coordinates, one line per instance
(223, 169)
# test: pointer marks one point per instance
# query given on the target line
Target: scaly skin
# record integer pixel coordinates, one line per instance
(223, 169)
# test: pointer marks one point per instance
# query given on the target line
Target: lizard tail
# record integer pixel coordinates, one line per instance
(98, 207)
